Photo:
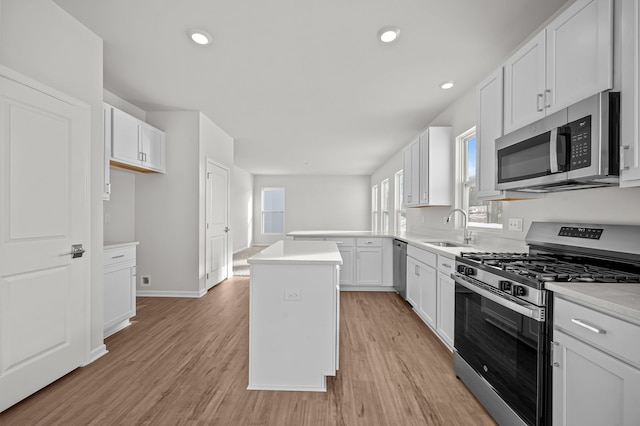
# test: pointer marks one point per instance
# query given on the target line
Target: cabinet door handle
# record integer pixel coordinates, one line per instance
(538, 99)
(118, 256)
(623, 157)
(446, 265)
(589, 327)
(547, 100)
(554, 350)
(417, 270)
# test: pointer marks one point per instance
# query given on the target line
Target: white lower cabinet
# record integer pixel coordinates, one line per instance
(119, 288)
(592, 384)
(368, 266)
(347, 249)
(421, 284)
(367, 263)
(446, 308)
(431, 291)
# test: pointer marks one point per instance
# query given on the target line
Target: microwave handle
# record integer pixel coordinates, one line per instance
(558, 150)
(553, 150)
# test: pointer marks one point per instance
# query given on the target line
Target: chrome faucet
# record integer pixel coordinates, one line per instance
(466, 235)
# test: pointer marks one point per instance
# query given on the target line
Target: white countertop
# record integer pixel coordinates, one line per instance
(299, 252)
(416, 240)
(623, 299)
(115, 244)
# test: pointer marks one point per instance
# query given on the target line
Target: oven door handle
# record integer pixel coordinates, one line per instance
(530, 311)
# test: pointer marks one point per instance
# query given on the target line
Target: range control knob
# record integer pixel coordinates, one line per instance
(505, 286)
(518, 290)
(465, 270)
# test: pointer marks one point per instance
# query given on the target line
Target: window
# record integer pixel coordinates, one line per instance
(400, 214)
(384, 193)
(481, 214)
(273, 211)
(374, 208)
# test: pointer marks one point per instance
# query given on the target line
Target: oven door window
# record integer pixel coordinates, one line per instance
(502, 346)
(525, 160)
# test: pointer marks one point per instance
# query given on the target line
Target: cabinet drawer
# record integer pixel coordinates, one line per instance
(369, 242)
(343, 242)
(119, 255)
(423, 256)
(615, 336)
(446, 264)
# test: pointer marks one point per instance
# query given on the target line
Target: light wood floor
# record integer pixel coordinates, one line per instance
(184, 361)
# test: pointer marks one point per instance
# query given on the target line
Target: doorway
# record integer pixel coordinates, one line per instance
(217, 224)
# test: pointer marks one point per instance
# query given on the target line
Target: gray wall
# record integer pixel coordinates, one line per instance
(316, 203)
(42, 41)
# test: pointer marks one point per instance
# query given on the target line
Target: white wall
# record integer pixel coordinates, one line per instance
(119, 210)
(122, 105)
(316, 203)
(241, 209)
(42, 41)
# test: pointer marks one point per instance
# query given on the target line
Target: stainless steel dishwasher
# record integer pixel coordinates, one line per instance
(400, 267)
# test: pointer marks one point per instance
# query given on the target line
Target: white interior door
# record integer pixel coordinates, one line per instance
(43, 203)
(217, 227)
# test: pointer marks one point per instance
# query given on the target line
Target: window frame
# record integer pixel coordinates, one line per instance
(399, 210)
(465, 184)
(375, 208)
(384, 206)
(263, 211)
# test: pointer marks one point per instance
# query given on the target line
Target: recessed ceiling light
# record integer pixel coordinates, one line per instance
(200, 36)
(446, 84)
(388, 34)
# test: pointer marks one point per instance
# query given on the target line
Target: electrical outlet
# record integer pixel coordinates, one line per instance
(107, 218)
(292, 295)
(145, 280)
(515, 224)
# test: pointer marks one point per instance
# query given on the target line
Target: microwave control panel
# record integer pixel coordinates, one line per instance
(580, 143)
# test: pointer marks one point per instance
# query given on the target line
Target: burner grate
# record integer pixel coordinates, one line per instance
(546, 268)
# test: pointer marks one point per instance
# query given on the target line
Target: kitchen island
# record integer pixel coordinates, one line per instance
(294, 316)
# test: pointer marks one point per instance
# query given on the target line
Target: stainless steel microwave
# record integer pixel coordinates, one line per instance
(576, 147)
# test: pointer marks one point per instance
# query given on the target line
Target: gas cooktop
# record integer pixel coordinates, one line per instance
(545, 268)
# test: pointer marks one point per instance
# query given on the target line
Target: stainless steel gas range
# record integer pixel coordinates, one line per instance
(503, 318)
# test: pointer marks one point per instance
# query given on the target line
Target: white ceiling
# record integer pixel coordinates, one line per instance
(305, 87)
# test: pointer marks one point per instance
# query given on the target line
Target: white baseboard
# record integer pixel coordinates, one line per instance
(116, 327)
(366, 288)
(96, 353)
(163, 293)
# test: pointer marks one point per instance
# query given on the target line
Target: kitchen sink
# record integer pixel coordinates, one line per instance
(444, 244)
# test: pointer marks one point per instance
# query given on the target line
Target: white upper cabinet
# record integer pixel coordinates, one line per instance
(630, 109)
(125, 138)
(579, 53)
(488, 129)
(435, 166)
(136, 145)
(411, 174)
(525, 85)
(153, 148)
(570, 60)
(427, 169)
(489, 108)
